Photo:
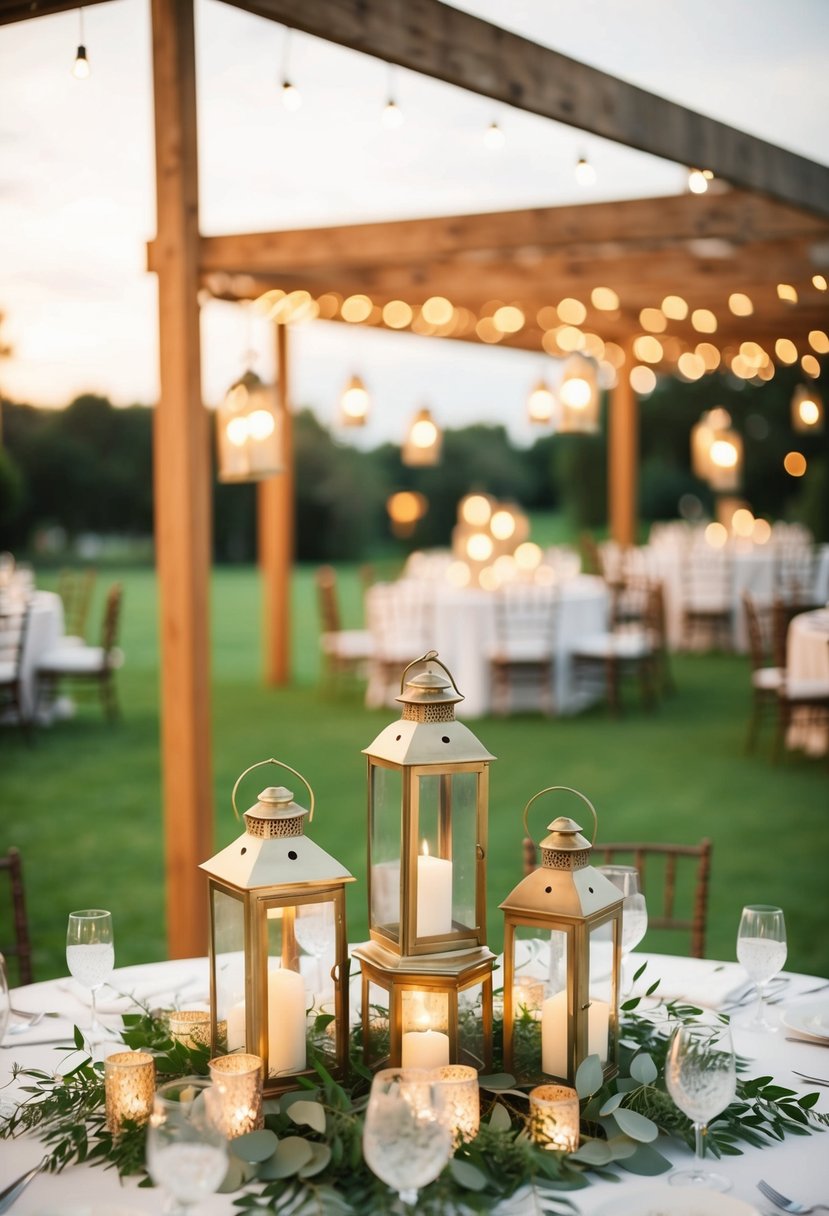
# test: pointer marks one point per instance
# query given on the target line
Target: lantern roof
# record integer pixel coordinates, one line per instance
(440, 743)
(572, 894)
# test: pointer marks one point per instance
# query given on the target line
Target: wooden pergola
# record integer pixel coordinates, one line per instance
(762, 236)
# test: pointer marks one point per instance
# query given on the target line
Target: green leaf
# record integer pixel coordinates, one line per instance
(646, 1161)
(467, 1175)
(639, 972)
(635, 1125)
(291, 1155)
(622, 1147)
(309, 1114)
(808, 1100)
(652, 989)
(255, 1146)
(77, 1036)
(499, 1119)
(234, 1177)
(496, 1081)
(592, 1152)
(589, 1077)
(319, 1161)
(610, 1105)
(642, 1068)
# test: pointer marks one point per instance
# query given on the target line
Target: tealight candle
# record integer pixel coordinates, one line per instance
(554, 1117)
(459, 1087)
(129, 1086)
(190, 1027)
(237, 1080)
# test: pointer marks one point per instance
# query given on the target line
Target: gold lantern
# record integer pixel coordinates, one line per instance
(354, 403)
(807, 410)
(249, 431)
(423, 442)
(578, 397)
(562, 959)
(278, 943)
(427, 972)
(717, 451)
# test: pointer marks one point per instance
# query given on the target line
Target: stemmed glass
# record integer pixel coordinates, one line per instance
(314, 929)
(634, 910)
(406, 1139)
(701, 1077)
(90, 956)
(186, 1153)
(5, 1001)
(761, 949)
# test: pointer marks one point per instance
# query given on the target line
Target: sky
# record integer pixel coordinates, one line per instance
(77, 192)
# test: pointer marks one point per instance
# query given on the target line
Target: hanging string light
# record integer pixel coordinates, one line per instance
(354, 403)
(494, 137)
(80, 68)
(698, 180)
(584, 172)
(392, 116)
(291, 96)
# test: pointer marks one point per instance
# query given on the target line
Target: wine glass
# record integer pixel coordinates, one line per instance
(634, 909)
(186, 1153)
(406, 1140)
(761, 949)
(701, 1077)
(5, 1000)
(90, 956)
(314, 929)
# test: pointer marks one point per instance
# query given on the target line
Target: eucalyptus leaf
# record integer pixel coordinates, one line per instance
(593, 1152)
(589, 1077)
(642, 1068)
(297, 1095)
(291, 1155)
(622, 1147)
(496, 1081)
(499, 1119)
(255, 1146)
(646, 1161)
(635, 1125)
(318, 1162)
(234, 1177)
(608, 1107)
(467, 1175)
(309, 1114)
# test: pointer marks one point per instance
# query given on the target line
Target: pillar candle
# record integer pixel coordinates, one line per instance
(434, 896)
(236, 1032)
(554, 1033)
(425, 1049)
(286, 1022)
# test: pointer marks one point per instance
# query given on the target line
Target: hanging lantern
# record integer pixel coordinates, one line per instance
(249, 431)
(541, 404)
(578, 397)
(807, 410)
(562, 959)
(424, 440)
(354, 403)
(427, 972)
(717, 451)
(278, 943)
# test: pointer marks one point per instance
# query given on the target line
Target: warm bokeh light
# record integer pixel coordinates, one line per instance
(740, 304)
(647, 348)
(505, 567)
(709, 354)
(528, 556)
(488, 579)
(787, 293)
(356, 309)
(547, 317)
(479, 547)
(502, 524)
(716, 535)
(642, 379)
(424, 433)
(692, 366)
(291, 97)
(261, 424)
(509, 319)
(571, 312)
(809, 412)
(237, 431)
(488, 331)
(459, 574)
(406, 507)
(541, 403)
(354, 402)
(753, 354)
(494, 137)
(675, 308)
(437, 310)
(476, 510)
(819, 341)
(584, 172)
(575, 393)
(392, 116)
(742, 369)
(397, 314)
(785, 350)
(569, 338)
(742, 522)
(761, 532)
(698, 180)
(810, 366)
(604, 299)
(614, 354)
(704, 321)
(724, 454)
(593, 345)
(795, 464)
(328, 305)
(819, 281)
(654, 320)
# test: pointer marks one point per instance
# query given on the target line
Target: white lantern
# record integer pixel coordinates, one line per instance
(249, 431)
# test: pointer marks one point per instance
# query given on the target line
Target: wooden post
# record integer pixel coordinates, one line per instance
(623, 456)
(182, 487)
(275, 503)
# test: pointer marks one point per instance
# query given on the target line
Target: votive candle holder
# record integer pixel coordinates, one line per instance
(237, 1080)
(190, 1027)
(462, 1100)
(527, 995)
(129, 1086)
(554, 1117)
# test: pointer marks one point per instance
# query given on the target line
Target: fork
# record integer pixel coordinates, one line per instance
(812, 1080)
(28, 1021)
(789, 1205)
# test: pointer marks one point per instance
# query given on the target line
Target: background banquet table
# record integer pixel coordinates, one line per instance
(46, 628)
(797, 1165)
(807, 671)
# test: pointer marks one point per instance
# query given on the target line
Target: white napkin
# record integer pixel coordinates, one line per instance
(694, 980)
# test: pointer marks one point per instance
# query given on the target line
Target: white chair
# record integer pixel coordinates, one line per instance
(14, 622)
(400, 619)
(707, 597)
(635, 644)
(345, 651)
(526, 618)
(82, 664)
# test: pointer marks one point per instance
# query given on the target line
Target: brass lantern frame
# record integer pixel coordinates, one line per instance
(255, 904)
(576, 925)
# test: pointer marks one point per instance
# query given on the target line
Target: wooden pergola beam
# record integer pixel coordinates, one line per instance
(23, 10)
(448, 44)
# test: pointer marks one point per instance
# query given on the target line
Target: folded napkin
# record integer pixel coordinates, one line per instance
(695, 980)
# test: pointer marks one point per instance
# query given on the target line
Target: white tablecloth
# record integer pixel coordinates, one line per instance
(807, 668)
(797, 1166)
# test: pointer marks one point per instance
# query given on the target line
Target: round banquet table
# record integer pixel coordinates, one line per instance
(807, 672)
(799, 1165)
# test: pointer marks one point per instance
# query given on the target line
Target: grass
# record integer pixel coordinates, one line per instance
(84, 805)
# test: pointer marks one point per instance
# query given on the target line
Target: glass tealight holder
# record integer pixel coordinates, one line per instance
(458, 1085)
(237, 1080)
(554, 1117)
(191, 1027)
(129, 1084)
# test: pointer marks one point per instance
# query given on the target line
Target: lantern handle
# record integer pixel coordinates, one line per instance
(280, 764)
(431, 656)
(568, 789)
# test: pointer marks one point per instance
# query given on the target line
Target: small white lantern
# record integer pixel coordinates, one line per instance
(578, 397)
(423, 441)
(249, 431)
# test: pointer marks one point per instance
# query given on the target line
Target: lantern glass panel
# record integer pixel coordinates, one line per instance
(386, 801)
(447, 861)
(425, 1010)
(286, 997)
(379, 1044)
(601, 968)
(229, 953)
(471, 1045)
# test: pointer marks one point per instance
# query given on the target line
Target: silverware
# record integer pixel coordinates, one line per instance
(29, 1021)
(819, 988)
(789, 1205)
(16, 1188)
(810, 1042)
(34, 1018)
(812, 1080)
(66, 1041)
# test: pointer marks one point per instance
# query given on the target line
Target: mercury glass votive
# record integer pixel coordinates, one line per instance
(191, 1027)
(554, 1117)
(458, 1085)
(237, 1080)
(129, 1084)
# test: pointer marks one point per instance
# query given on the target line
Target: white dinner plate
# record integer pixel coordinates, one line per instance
(811, 1018)
(662, 1200)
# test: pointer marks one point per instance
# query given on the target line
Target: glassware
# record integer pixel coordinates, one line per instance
(700, 1076)
(761, 950)
(5, 1000)
(314, 929)
(90, 957)
(186, 1153)
(634, 910)
(406, 1138)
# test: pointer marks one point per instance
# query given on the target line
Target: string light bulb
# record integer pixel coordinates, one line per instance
(291, 96)
(698, 180)
(494, 137)
(391, 116)
(584, 172)
(80, 68)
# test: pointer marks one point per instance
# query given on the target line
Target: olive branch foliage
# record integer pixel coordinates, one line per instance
(308, 1161)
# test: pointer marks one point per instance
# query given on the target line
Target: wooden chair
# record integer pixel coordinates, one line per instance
(75, 588)
(84, 664)
(707, 594)
(14, 625)
(526, 618)
(766, 680)
(21, 949)
(809, 699)
(664, 860)
(634, 646)
(345, 651)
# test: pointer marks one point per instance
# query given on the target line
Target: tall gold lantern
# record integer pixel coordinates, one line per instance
(562, 959)
(427, 971)
(249, 431)
(278, 941)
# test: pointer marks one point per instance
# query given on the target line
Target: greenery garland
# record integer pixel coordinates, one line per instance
(307, 1161)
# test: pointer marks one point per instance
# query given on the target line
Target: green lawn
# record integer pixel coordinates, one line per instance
(83, 804)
